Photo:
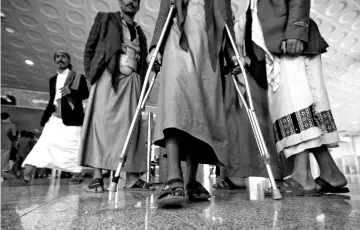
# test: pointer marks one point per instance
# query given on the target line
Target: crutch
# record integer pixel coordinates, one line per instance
(142, 101)
(253, 119)
(149, 145)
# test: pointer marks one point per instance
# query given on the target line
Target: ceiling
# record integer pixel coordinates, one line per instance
(34, 29)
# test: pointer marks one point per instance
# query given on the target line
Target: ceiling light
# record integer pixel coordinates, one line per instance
(336, 105)
(355, 122)
(10, 30)
(29, 62)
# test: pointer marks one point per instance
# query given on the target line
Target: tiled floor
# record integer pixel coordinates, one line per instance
(53, 204)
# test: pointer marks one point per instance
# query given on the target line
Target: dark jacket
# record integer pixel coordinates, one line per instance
(24, 146)
(289, 19)
(103, 47)
(8, 134)
(217, 13)
(70, 117)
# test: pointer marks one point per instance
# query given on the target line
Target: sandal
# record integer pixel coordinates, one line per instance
(140, 185)
(290, 188)
(173, 194)
(326, 187)
(227, 184)
(196, 192)
(96, 186)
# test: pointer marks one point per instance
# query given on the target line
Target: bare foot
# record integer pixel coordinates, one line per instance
(130, 183)
(131, 179)
(307, 182)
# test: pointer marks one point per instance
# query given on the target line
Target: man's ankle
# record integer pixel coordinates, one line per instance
(132, 176)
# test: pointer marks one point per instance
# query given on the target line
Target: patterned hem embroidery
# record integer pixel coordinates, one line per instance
(303, 120)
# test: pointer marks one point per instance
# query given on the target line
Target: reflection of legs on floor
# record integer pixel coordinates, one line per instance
(328, 169)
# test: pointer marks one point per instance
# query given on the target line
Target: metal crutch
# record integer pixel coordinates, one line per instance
(149, 145)
(142, 101)
(253, 119)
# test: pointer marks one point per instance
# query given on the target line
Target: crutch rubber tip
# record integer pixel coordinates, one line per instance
(276, 194)
(112, 187)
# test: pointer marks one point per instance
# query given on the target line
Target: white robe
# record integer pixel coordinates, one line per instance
(57, 147)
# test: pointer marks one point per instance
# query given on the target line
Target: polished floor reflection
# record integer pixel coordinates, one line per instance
(54, 204)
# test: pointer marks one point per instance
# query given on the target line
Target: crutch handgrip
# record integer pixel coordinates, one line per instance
(233, 45)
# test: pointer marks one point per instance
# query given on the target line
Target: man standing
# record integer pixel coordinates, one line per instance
(298, 102)
(8, 135)
(244, 157)
(59, 143)
(191, 122)
(115, 65)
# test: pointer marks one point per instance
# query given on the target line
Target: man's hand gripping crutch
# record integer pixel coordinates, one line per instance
(142, 100)
(248, 104)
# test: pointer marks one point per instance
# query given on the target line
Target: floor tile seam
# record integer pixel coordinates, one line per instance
(38, 207)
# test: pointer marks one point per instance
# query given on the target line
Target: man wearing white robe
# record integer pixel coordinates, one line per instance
(59, 143)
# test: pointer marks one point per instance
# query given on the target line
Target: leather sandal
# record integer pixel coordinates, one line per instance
(96, 186)
(140, 185)
(196, 192)
(173, 194)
